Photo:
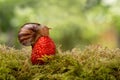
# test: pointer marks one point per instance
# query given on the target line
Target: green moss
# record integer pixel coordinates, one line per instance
(92, 63)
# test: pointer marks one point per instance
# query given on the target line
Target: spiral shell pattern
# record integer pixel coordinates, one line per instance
(29, 33)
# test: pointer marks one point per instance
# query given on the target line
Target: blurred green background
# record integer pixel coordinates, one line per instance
(74, 23)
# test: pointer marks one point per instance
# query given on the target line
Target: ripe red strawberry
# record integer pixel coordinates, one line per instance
(44, 47)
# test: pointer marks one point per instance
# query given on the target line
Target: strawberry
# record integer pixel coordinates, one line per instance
(43, 49)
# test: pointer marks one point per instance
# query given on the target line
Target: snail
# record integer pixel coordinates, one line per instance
(30, 32)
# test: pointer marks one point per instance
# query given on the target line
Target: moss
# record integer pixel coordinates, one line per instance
(92, 63)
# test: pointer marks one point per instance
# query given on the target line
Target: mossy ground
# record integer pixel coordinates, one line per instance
(92, 63)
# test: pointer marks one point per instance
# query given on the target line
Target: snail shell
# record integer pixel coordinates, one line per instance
(30, 32)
